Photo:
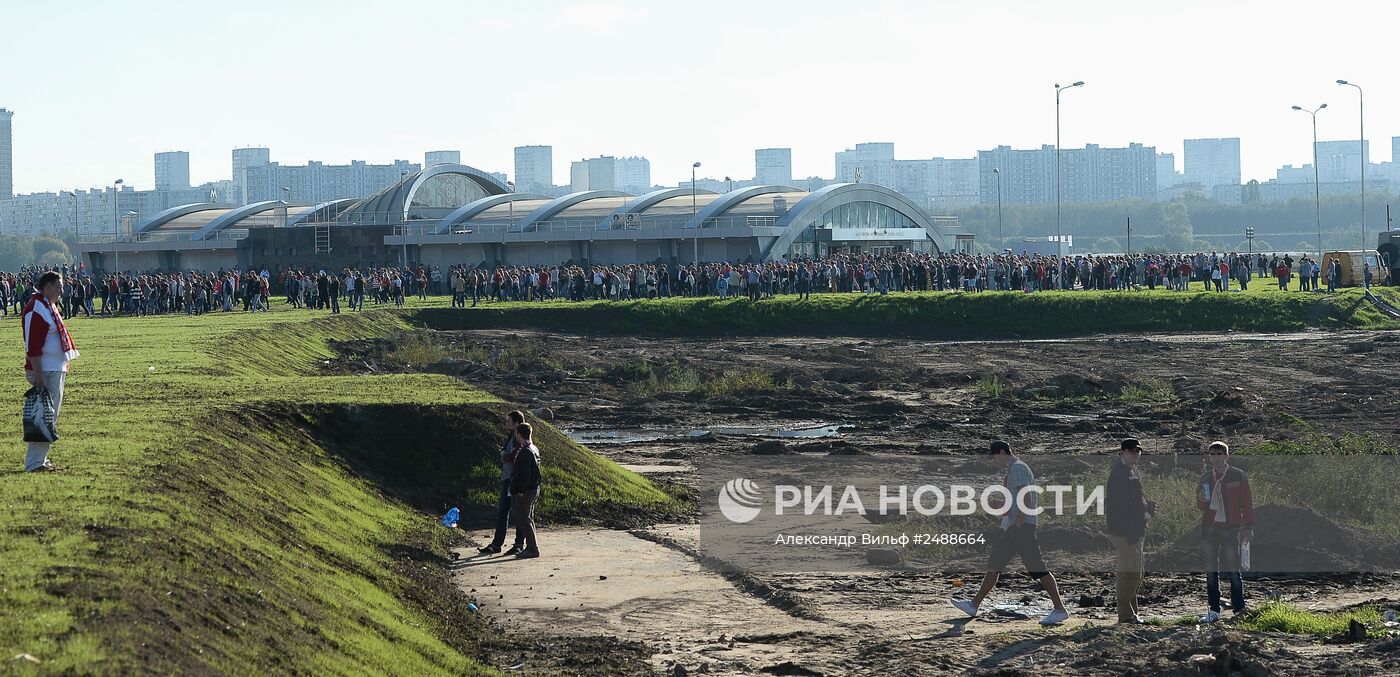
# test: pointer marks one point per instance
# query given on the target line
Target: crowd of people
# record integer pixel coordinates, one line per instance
(200, 292)
(887, 273)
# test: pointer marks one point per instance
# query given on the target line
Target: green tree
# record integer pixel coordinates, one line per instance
(1178, 233)
(43, 245)
(15, 251)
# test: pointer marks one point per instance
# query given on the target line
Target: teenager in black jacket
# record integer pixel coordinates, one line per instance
(525, 487)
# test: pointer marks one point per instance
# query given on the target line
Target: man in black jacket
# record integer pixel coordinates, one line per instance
(525, 487)
(1127, 511)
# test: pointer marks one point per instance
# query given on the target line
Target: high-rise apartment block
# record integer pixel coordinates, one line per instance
(172, 169)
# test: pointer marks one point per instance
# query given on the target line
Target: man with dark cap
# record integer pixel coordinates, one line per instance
(1017, 538)
(1127, 511)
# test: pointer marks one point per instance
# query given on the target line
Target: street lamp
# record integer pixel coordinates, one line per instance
(1362, 100)
(693, 210)
(1001, 238)
(1317, 190)
(731, 183)
(286, 199)
(74, 201)
(1059, 227)
(116, 224)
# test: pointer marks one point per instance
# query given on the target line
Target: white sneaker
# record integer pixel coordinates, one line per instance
(966, 606)
(1210, 617)
(1055, 617)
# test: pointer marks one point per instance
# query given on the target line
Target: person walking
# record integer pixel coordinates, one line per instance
(48, 350)
(525, 487)
(1017, 538)
(1227, 521)
(1127, 511)
(506, 499)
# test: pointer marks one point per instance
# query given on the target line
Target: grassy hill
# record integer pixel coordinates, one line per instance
(937, 315)
(225, 507)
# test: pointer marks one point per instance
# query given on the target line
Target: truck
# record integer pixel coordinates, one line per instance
(1388, 247)
(1354, 265)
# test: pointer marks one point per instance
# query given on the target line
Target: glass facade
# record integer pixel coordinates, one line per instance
(447, 191)
(864, 215)
(859, 220)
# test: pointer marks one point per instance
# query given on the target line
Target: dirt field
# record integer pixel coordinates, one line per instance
(661, 405)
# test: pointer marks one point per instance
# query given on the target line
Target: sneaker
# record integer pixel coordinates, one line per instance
(966, 606)
(490, 550)
(48, 466)
(1210, 617)
(1055, 617)
(514, 550)
(527, 554)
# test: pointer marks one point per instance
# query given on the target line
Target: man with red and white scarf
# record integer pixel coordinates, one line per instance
(48, 350)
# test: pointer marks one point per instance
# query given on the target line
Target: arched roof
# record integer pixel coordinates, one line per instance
(176, 212)
(559, 204)
(734, 197)
(391, 205)
(233, 216)
(801, 215)
(324, 211)
(647, 201)
(467, 211)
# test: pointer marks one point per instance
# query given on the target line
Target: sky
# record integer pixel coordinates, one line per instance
(99, 87)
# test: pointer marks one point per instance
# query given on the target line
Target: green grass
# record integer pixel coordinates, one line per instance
(1281, 617)
(934, 314)
(1150, 390)
(991, 387)
(226, 508)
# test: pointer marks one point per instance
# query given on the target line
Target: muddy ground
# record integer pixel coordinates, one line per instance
(661, 405)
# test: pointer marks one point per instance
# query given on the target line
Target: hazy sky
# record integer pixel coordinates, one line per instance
(99, 87)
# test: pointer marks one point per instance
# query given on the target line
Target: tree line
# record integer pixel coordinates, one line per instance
(1185, 223)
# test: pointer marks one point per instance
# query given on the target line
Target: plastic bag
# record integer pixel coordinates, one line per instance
(39, 416)
(1244, 556)
(450, 519)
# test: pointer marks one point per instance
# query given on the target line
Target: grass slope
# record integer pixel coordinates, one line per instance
(226, 509)
(934, 314)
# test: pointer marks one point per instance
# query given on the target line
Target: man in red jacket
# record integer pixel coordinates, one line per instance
(47, 351)
(1227, 521)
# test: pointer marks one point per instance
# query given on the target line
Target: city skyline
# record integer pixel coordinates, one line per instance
(874, 52)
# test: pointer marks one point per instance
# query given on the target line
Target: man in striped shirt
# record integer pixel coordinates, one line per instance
(1017, 538)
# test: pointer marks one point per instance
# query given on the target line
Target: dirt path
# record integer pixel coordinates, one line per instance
(645, 589)
(601, 582)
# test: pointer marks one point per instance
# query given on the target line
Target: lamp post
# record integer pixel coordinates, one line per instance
(116, 224)
(73, 199)
(731, 184)
(693, 211)
(403, 232)
(1249, 237)
(1001, 237)
(1317, 190)
(1059, 227)
(1362, 100)
(286, 200)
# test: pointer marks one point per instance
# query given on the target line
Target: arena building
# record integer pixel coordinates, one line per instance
(452, 214)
